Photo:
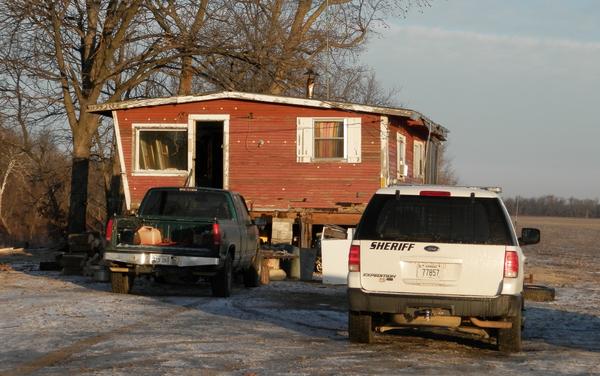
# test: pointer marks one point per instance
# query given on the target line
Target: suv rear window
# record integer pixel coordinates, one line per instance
(463, 220)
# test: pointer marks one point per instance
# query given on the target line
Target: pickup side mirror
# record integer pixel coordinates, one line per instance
(260, 221)
(529, 236)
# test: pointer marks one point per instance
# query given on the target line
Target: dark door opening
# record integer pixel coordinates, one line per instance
(209, 154)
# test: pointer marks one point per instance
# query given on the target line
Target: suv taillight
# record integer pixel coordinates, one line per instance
(109, 230)
(354, 259)
(511, 264)
(216, 233)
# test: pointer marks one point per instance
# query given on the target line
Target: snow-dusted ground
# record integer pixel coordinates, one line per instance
(56, 325)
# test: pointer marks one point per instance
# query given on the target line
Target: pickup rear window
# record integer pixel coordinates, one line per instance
(435, 219)
(187, 204)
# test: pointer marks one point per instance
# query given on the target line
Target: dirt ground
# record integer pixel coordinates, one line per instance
(52, 324)
(567, 253)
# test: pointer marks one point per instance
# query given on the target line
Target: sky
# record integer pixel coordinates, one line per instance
(517, 84)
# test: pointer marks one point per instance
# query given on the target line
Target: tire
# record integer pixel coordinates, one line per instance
(121, 283)
(252, 273)
(221, 283)
(509, 340)
(538, 293)
(360, 327)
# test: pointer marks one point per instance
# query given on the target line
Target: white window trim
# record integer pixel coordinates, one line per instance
(417, 172)
(401, 170)
(305, 141)
(137, 127)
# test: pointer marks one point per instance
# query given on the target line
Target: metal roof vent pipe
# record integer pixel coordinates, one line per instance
(310, 82)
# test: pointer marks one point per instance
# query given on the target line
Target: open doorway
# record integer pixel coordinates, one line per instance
(209, 154)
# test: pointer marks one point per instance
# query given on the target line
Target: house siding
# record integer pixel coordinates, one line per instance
(269, 176)
(412, 133)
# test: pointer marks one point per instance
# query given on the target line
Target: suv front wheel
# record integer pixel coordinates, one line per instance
(360, 327)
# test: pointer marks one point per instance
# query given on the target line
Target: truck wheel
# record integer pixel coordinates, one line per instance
(121, 283)
(252, 273)
(360, 327)
(509, 340)
(221, 283)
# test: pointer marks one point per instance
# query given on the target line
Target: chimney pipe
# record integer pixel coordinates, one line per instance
(310, 82)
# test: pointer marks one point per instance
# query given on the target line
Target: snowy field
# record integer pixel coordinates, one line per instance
(52, 324)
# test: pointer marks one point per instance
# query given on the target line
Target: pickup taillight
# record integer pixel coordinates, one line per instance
(109, 229)
(511, 264)
(216, 233)
(354, 259)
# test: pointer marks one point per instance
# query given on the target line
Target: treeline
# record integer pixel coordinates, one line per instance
(552, 206)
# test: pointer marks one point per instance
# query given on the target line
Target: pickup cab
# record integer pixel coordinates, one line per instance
(188, 232)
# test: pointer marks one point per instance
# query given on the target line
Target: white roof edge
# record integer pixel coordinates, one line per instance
(105, 107)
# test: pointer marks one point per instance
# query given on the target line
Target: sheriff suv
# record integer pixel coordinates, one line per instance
(437, 256)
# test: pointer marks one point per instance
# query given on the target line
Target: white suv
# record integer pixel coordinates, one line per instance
(437, 256)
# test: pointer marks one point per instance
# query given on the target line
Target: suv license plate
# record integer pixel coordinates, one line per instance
(161, 259)
(429, 271)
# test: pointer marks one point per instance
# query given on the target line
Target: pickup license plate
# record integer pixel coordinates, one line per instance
(161, 259)
(429, 271)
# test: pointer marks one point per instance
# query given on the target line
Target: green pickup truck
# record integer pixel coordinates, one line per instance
(187, 232)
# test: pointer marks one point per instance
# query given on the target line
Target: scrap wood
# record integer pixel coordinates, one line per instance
(5, 268)
(277, 254)
(12, 251)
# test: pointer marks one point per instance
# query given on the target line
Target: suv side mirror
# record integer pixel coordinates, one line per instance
(529, 236)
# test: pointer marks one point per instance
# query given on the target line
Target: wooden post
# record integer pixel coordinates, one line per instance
(264, 272)
(305, 231)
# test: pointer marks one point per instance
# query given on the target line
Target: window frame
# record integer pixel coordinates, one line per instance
(345, 139)
(418, 164)
(177, 127)
(305, 142)
(401, 156)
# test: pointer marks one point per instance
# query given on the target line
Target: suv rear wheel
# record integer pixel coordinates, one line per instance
(509, 340)
(360, 327)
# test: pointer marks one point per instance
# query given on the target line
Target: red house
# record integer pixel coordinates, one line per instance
(311, 161)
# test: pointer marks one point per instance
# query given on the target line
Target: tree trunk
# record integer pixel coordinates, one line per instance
(78, 197)
(187, 74)
(82, 145)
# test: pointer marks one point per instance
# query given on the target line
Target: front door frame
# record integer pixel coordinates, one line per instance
(192, 121)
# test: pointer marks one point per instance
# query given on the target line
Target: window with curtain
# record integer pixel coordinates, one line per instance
(329, 139)
(162, 149)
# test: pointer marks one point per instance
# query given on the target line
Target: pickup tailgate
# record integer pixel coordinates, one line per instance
(441, 269)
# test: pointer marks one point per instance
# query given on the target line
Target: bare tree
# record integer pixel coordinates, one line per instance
(267, 46)
(75, 53)
(80, 50)
(446, 173)
(185, 24)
